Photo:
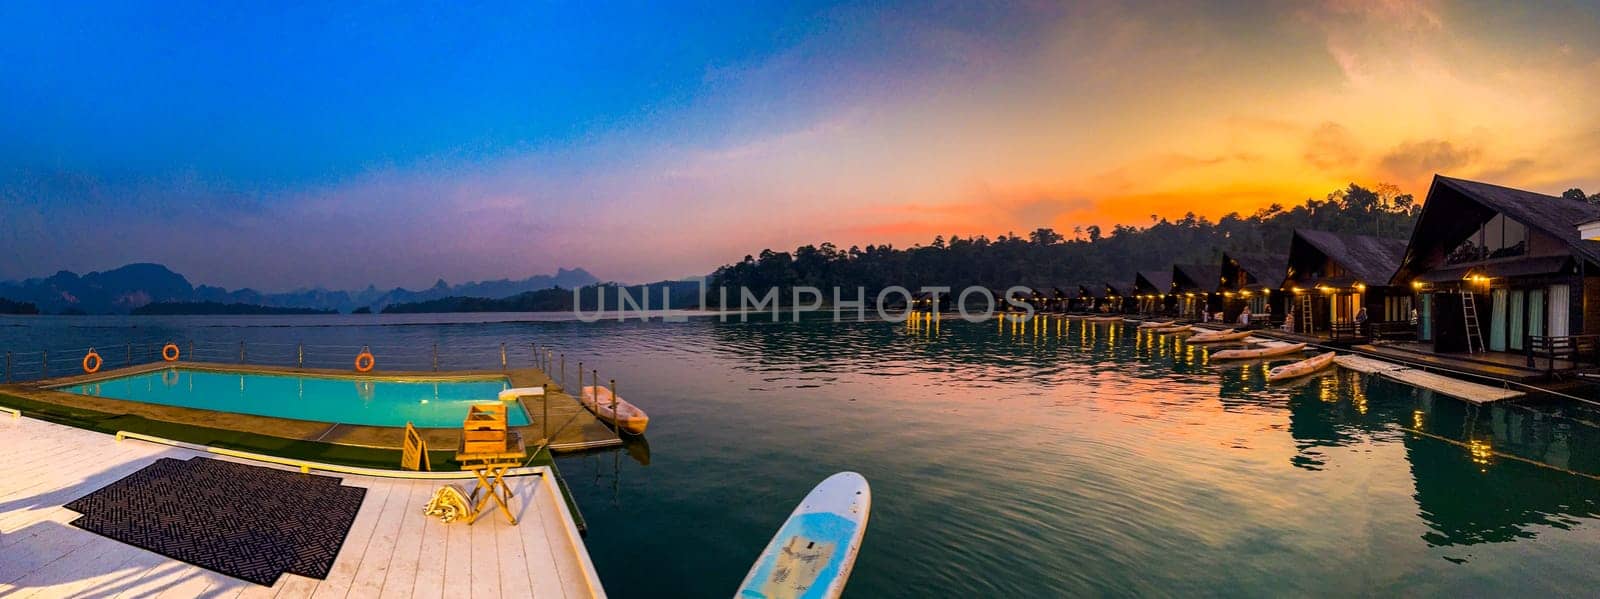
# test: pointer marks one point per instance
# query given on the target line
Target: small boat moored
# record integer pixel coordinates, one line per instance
(1258, 352)
(1302, 368)
(599, 400)
(1105, 319)
(814, 550)
(1156, 325)
(1218, 336)
(1173, 329)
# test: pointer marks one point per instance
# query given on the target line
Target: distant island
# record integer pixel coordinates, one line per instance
(212, 308)
(11, 307)
(683, 295)
(124, 289)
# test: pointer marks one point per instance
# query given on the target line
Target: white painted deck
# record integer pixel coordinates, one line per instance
(393, 550)
(1457, 388)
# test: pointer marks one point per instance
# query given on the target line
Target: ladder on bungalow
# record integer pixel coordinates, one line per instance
(1469, 313)
(1305, 313)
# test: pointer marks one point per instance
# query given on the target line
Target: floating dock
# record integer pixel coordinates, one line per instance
(392, 549)
(557, 414)
(1438, 383)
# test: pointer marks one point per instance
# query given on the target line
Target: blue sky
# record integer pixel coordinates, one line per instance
(293, 145)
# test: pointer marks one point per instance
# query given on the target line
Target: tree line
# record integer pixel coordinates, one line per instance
(1090, 255)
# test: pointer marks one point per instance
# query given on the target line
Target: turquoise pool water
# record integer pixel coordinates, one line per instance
(325, 399)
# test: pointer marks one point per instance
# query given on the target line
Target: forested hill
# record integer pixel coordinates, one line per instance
(1048, 257)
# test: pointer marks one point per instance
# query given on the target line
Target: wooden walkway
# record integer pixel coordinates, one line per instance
(393, 550)
(1453, 387)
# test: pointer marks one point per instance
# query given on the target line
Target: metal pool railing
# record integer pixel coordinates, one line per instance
(32, 365)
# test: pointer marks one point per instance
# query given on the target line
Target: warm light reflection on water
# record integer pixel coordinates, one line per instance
(1081, 459)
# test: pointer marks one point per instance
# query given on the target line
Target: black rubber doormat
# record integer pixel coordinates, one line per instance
(248, 522)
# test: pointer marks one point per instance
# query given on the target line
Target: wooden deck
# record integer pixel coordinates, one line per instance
(1438, 383)
(393, 550)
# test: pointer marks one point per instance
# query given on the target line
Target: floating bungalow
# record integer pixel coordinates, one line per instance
(1332, 276)
(1196, 288)
(1052, 298)
(1497, 269)
(1091, 296)
(924, 301)
(1153, 289)
(1249, 281)
(1115, 294)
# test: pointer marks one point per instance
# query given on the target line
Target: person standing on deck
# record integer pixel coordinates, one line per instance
(1413, 317)
(1244, 316)
(1361, 320)
(1288, 323)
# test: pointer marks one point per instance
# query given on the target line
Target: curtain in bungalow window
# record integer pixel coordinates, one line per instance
(1558, 310)
(1497, 320)
(1515, 337)
(1536, 312)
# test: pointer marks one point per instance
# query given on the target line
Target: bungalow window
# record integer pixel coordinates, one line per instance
(1499, 238)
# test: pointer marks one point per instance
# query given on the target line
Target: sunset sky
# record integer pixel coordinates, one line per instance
(311, 145)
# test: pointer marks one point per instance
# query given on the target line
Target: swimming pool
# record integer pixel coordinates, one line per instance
(369, 402)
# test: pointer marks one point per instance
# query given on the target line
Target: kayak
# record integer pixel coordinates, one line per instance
(599, 400)
(814, 550)
(1301, 368)
(1105, 319)
(1157, 325)
(1173, 329)
(1258, 352)
(1219, 336)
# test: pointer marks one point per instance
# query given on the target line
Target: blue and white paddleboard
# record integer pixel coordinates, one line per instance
(812, 554)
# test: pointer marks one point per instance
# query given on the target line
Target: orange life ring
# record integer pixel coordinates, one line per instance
(92, 362)
(169, 352)
(365, 361)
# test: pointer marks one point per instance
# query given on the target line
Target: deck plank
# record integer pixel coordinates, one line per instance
(485, 579)
(458, 552)
(433, 554)
(514, 581)
(345, 566)
(374, 568)
(537, 548)
(403, 561)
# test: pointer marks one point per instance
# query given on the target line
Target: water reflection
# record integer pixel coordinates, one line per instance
(1481, 473)
(1051, 458)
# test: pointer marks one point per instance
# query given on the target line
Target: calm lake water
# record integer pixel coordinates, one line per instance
(1097, 461)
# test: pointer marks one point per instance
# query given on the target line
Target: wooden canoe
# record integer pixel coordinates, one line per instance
(1157, 325)
(1301, 368)
(1173, 329)
(1258, 352)
(599, 401)
(1219, 336)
